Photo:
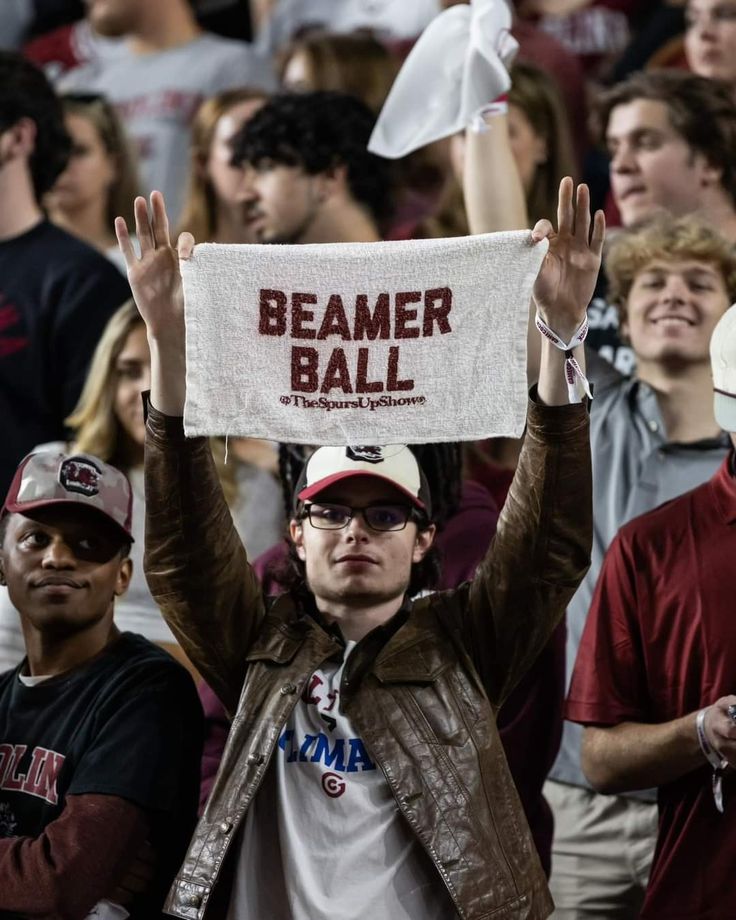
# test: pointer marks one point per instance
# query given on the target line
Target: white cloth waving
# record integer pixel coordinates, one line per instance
(459, 64)
(360, 343)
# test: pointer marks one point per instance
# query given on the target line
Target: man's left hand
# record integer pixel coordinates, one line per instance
(568, 275)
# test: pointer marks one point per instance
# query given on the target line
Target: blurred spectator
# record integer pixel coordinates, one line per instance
(710, 39)
(540, 144)
(309, 175)
(56, 293)
(357, 64)
(671, 137)
(597, 31)
(68, 47)
(213, 210)
(654, 676)
(100, 733)
(15, 23)
(108, 422)
(426, 201)
(21, 19)
(653, 437)
(543, 51)
(658, 42)
(100, 180)
(76, 43)
(279, 21)
(540, 139)
(672, 141)
(157, 78)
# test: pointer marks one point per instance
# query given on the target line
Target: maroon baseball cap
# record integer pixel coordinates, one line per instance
(52, 478)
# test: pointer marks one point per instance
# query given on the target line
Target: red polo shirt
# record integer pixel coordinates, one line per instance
(660, 642)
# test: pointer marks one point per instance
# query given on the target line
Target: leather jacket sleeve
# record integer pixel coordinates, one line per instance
(540, 553)
(195, 563)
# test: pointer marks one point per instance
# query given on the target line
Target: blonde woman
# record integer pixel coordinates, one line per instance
(354, 63)
(108, 422)
(213, 211)
(101, 178)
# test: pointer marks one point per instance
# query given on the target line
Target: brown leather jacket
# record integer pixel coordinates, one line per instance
(424, 698)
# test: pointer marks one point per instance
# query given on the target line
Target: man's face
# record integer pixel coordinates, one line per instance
(113, 18)
(356, 564)
(652, 167)
(281, 203)
(710, 38)
(672, 309)
(63, 568)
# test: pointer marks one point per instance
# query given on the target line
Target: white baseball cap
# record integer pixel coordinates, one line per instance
(723, 363)
(393, 463)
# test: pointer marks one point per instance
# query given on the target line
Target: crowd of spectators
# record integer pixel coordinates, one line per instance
(253, 120)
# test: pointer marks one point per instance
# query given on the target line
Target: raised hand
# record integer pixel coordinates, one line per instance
(154, 278)
(157, 288)
(567, 278)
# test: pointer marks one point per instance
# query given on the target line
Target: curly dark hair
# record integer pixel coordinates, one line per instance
(26, 93)
(318, 131)
(702, 111)
(442, 466)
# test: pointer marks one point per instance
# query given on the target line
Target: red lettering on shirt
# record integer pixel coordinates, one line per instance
(40, 780)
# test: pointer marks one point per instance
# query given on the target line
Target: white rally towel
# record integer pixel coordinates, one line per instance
(360, 343)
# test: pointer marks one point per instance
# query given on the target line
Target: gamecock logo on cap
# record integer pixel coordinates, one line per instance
(365, 454)
(81, 476)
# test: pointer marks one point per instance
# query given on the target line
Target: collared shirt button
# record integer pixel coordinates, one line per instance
(287, 689)
(254, 759)
(653, 425)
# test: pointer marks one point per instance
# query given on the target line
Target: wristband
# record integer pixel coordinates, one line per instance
(577, 382)
(718, 763)
(500, 106)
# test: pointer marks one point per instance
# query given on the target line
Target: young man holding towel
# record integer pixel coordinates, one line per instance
(364, 775)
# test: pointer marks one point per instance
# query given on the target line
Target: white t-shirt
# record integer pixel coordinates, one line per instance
(324, 838)
(158, 94)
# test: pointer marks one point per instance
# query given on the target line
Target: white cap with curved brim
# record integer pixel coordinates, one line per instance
(723, 363)
(393, 463)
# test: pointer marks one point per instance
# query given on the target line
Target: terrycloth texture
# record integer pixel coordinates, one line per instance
(459, 64)
(360, 343)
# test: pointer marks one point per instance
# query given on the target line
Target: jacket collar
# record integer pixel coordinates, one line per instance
(404, 649)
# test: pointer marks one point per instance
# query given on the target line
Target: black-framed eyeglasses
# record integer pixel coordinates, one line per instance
(381, 517)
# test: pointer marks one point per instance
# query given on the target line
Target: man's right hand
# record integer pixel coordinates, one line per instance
(720, 728)
(155, 281)
(154, 278)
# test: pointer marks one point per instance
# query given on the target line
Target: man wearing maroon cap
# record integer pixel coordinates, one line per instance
(100, 732)
(363, 775)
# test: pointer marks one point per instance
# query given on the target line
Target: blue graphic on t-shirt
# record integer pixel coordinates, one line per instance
(344, 755)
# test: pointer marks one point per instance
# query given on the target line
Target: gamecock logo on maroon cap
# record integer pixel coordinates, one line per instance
(80, 476)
